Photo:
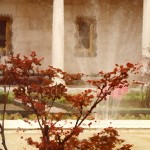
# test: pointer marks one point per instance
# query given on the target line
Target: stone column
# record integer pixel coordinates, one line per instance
(58, 34)
(146, 29)
(146, 37)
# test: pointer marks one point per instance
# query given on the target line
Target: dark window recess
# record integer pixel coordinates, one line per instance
(84, 34)
(2, 33)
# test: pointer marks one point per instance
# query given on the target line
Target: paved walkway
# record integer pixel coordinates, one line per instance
(136, 132)
(139, 138)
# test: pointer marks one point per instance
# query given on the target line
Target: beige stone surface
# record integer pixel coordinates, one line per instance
(31, 27)
(118, 31)
(138, 137)
(119, 34)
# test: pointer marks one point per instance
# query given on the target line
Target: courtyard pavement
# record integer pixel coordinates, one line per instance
(140, 138)
(136, 132)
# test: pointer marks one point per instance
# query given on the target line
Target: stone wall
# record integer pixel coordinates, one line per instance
(31, 27)
(119, 34)
(118, 31)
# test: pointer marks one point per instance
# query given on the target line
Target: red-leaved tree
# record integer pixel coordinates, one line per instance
(36, 89)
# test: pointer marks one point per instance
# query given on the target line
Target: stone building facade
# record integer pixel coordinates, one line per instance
(77, 35)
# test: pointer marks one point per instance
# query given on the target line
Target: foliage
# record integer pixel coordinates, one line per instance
(11, 96)
(134, 117)
(133, 96)
(107, 139)
(146, 81)
(14, 116)
(62, 100)
(70, 78)
(134, 99)
(147, 96)
(36, 89)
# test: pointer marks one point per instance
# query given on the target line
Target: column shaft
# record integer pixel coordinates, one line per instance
(58, 34)
(146, 29)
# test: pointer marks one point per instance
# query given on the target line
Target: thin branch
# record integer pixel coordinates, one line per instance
(2, 126)
(79, 117)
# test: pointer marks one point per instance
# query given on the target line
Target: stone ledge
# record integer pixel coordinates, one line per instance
(125, 124)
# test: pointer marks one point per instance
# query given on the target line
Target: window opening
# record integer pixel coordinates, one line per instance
(85, 36)
(5, 35)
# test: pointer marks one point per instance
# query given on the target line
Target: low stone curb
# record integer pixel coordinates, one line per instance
(88, 124)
